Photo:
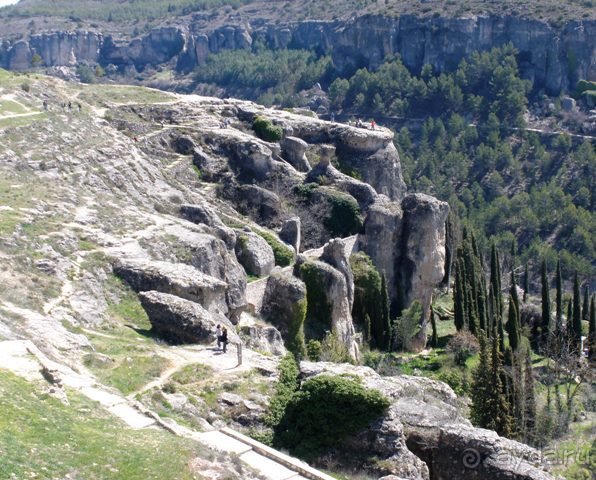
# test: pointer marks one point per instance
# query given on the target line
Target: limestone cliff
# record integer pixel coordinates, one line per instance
(554, 58)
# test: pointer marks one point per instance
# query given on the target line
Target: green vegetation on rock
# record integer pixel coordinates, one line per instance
(324, 411)
(265, 129)
(283, 254)
(318, 312)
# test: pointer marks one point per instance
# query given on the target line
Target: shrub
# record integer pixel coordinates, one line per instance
(265, 129)
(26, 86)
(463, 345)
(345, 218)
(314, 350)
(325, 411)
(283, 254)
(286, 385)
(406, 327)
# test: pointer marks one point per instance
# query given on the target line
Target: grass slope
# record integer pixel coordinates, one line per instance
(42, 438)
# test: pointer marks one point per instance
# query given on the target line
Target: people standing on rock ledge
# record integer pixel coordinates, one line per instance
(224, 339)
(218, 333)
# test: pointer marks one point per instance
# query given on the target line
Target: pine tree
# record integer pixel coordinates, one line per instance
(385, 314)
(577, 315)
(586, 306)
(559, 298)
(529, 399)
(545, 303)
(526, 284)
(434, 341)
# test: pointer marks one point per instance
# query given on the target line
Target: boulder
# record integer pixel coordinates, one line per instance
(204, 214)
(181, 280)
(332, 288)
(290, 233)
(294, 151)
(182, 320)
(264, 339)
(284, 299)
(335, 254)
(264, 203)
(254, 253)
(210, 256)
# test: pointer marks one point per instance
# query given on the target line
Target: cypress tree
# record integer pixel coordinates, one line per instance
(586, 307)
(529, 399)
(458, 298)
(526, 284)
(434, 341)
(559, 297)
(545, 303)
(592, 336)
(513, 323)
(577, 314)
(481, 386)
(385, 313)
(498, 408)
(501, 334)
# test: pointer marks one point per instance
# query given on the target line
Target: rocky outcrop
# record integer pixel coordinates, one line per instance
(330, 286)
(334, 253)
(284, 301)
(294, 151)
(424, 419)
(553, 57)
(207, 254)
(264, 339)
(381, 240)
(422, 256)
(183, 281)
(204, 214)
(406, 242)
(290, 233)
(182, 320)
(254, 253)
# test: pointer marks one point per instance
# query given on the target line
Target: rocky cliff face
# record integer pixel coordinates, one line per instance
(554, 58)
(424, 419)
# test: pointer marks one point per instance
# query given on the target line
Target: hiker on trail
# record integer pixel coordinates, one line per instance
(69, 106)
(359, 123)
(45, 105)
(218, 333)
(373, 124)
(80, 107)
(332, 117)
(224, 338)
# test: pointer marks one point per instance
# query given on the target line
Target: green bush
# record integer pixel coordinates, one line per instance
(325, 411)
(314, 350)
(284, 255)
(265, 130)
(463, 345)
(345, 218)
(286, 386)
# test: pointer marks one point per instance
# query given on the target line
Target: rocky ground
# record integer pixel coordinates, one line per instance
(133, 219)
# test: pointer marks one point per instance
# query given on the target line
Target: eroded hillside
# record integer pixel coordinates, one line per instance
(132, 221)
